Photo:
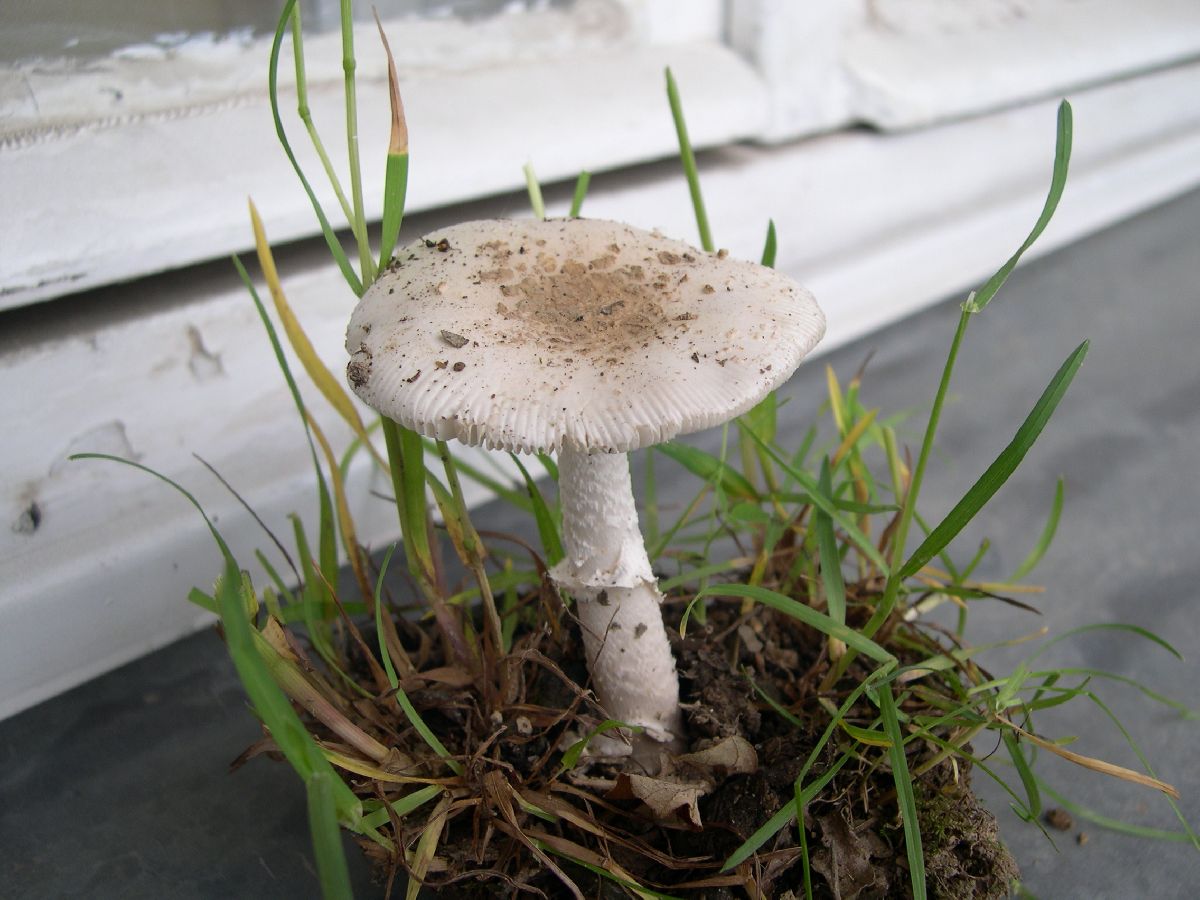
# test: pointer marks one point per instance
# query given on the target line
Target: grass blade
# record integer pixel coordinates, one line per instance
(831, 560)
(805, 614)
(332, 870)
(511, 496)
(1083, 812)
(999, 471)
(384, 653)
(331, 389)
(420, 858)
(431, 740)
(341, 507)
(327, 546)
(688, 158)
(1033, 798)
(1095, 765)
(331, 238)
(1111, 626)
(904, 791)
(305, 114)
(709, 468)
(395, 180)
(349, 65)
(268, 699)
(403, 806)
(781, 818)
(536, 202)
(770, 246)
(325, 505)
(546, 525)
(406, 453)
(1058, 181)
(974, 304)
(1043, 544)
(825, 503)
(581, 189)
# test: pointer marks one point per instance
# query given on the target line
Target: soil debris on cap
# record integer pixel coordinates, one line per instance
(454, 340)
(560, 308)
(358, 370)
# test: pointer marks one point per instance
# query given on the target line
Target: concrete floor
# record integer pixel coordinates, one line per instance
(119, 789)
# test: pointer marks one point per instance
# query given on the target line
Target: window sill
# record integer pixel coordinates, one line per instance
(171, 179)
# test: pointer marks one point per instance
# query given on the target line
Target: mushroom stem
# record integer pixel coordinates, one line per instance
(618, 603)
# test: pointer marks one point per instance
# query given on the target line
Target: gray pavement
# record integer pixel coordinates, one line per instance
(119, 788)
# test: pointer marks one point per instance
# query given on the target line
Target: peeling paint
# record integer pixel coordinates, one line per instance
(108, 438)
(203, 364)
(29, 519)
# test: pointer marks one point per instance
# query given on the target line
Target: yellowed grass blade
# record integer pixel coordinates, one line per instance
(344, 518)
(359, 767)
(1096, 765)
(420, 858)
(572, 850)
(398, 142)
(501, 795)
(853, 436)
(329, 386)
(290, 678)
(836, 402)
(930, 572)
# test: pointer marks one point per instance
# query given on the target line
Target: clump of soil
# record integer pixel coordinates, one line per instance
(517, 822)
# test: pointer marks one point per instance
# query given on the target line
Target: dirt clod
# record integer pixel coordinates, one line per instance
(1058, 818)
(750, 688)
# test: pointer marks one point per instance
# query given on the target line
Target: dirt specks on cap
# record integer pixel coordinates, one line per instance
(613, 310)
(358, 370)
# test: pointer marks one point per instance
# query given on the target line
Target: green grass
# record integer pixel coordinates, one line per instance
(824, 529)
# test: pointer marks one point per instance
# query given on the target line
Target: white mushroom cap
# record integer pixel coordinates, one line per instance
(531, 335)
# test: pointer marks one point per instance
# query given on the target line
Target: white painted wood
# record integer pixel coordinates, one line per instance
(900, 64)
(928, 61)
(94, 190)
(799, 49)
(877, 225)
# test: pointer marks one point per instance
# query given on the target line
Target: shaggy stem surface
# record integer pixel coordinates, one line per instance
(618, 603)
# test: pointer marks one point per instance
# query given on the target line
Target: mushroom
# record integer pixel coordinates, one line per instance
(589, 338)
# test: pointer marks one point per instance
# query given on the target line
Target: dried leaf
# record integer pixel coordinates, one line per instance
(673, 795)
(730, 756)
(845, 859)
(669, 801)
